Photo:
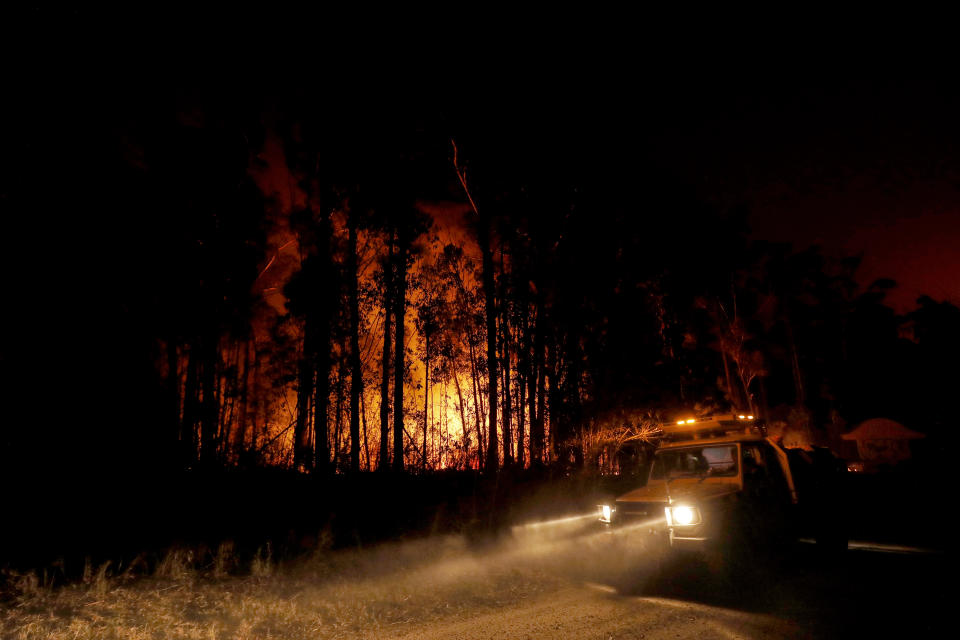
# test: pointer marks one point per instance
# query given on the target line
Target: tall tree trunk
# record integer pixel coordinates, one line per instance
(219, 392)
(553, 407)
(321, 396)
(444, 426)
(523, 376)
(356, 370)
(241, 443)
(505, 360)
(732, 391)
(426, 394)
(254, 421)
(173, 391)
(321, 409)
(338, 413)
(227, 385)
(478, 409)
(507, 403)
(188, 437)
(573, 426)
(305, 389)
(366, 440)
(399, 356)
(521, 425)
(324, 344)
(537, 435)
(209, 412)
(745, 381)
(463, 422)
(490, 308)
(385, 371)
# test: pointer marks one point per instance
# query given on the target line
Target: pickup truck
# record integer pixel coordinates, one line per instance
(718, 485)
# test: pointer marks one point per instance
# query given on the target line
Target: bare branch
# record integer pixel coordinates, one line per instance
(462, 175)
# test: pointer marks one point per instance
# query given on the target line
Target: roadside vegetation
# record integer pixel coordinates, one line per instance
(349, 593)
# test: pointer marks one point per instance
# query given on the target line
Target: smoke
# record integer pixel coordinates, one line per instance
(529, 558)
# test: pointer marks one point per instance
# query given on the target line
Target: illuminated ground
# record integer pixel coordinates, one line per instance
(556, 580)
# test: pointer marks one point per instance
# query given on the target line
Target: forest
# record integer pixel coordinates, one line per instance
(304, 284)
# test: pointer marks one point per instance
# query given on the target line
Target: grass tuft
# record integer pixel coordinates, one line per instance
(225, 562)
(177, 564)
(262, 565)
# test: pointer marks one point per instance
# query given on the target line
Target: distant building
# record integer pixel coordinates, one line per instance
(882, 442)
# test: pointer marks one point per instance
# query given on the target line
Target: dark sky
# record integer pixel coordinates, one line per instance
(862, 160)
(856, 152)
(864, 166)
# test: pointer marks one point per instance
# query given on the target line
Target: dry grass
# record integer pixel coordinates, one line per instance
(345, 594)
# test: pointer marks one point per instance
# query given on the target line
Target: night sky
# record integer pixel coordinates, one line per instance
(861, 161)
(867, 169)
(852, 146)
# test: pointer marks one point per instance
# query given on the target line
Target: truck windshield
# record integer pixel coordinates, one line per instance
(695, 462)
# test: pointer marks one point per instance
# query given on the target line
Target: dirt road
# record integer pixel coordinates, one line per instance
(869, 593)
(590, 613)
(556, 580)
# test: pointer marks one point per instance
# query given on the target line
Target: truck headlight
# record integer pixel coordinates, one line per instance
(682, 515)
(606, 511)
